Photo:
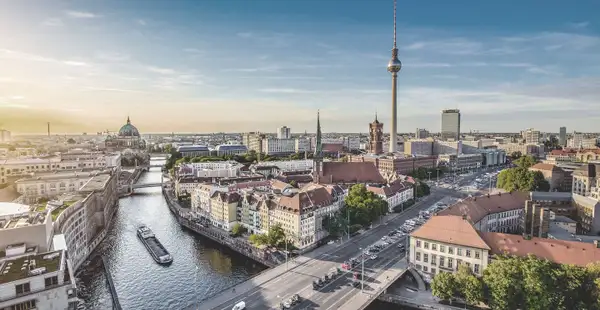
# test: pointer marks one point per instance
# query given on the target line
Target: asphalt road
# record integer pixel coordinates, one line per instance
(298, 280)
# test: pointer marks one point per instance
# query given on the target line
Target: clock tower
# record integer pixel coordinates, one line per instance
(376, 137)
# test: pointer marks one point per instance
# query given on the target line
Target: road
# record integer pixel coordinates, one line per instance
(303, 270)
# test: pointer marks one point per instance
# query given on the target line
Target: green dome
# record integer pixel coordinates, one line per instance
(128, 130)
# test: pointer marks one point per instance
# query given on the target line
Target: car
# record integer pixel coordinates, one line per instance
(356, 283)
(373, 257)
(401, 246)
(239, 306)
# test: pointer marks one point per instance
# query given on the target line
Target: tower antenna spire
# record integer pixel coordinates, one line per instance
(394, 24)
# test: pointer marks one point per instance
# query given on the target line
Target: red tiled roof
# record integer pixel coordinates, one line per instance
(450, 229)
(350, 172)
(558, 251)
(391, 189)
(476, 208)
(546, 167)
(564, 152)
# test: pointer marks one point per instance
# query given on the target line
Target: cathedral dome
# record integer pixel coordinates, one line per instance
(128, 130)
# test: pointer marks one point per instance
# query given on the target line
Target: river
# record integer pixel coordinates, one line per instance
(200, 268)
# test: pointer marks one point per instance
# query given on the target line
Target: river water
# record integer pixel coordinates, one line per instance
(200, 268)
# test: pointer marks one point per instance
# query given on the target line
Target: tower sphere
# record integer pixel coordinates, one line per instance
(394, 65)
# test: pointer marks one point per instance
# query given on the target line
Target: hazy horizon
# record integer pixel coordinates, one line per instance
(237, 66)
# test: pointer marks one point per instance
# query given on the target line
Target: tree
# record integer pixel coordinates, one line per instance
(468, 285)
(71, 141)
(294, 184)
(525, 161)
(515, 155)
(522, 179)
(238, 229)
(336, 224)
(539, 283)
(422, 189)
(443, 286)
(504, 281)
(364, 206)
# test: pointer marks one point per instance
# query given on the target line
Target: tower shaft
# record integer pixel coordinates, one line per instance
(394, 125)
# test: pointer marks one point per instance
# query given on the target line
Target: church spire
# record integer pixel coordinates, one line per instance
(128, 121)
(319, 145)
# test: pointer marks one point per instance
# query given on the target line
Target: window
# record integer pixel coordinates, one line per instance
(477, 254)
(425, 258)
(51, 281)
(476, 268)
(441, 261)
(418, 256)
(425, 268)
(434, 247)
(433, 259)
(450, 250)
(22, 288)
(468, 253)
(433, 270)
(442, 248)
(459, 251)
(418, 243)
(450, 263)
(30, 304)
(426, 245)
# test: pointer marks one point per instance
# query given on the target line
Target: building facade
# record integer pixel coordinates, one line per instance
(284, 132)
(376, 137)
(450, 125)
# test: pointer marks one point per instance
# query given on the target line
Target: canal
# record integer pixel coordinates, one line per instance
(200, 268)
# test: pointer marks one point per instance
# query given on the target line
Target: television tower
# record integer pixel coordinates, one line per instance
(394, 67)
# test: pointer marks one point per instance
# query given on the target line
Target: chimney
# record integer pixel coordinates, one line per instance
(596, 243)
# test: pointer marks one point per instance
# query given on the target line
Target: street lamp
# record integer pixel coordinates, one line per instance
(429, 173)
(362, 271)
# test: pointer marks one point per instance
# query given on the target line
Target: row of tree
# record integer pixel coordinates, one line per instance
(275, 237)
(520, 178)
(530, 283)
(423, 173)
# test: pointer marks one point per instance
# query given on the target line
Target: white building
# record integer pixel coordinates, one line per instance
(289, 165)
(37, 280)
(50, 185)
(272, 146)
(461, 162)
(284, 132)
(26, 166)
(395, 194)
(4, 136)
(219, 169)
(531, 136)
(303, 145)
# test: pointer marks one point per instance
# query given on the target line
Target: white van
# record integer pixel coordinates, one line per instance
(239, 306)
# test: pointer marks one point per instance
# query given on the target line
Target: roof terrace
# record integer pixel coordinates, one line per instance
(30, 266)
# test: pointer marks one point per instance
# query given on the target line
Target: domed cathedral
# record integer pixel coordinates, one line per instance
(127, 138)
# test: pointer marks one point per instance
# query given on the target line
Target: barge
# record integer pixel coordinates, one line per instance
(156, 249)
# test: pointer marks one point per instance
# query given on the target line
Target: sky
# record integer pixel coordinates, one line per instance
(239, 65)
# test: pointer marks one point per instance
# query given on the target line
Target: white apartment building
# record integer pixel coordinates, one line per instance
(284, 132)
(37, 280)
(222, 169)
(531, 136)
(19, 225)
(200, 197)
(50, 185)
(395, 194)
(85, 216)
(272, 146)
(21, 167)
(303, 145)
(289, 165)
(461, 162)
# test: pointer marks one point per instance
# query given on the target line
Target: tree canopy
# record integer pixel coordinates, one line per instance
(422, 189)
(521, 178)
(238, 229)
(275, 237)
(364, 206)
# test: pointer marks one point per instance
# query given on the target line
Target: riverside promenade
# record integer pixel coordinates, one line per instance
(239, 245)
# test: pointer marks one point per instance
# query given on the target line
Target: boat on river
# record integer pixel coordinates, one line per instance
(156, 249)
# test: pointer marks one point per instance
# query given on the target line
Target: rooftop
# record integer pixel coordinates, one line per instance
(545, 167)
(59, 175)
(450, 229)
(97, 182)
(12, 209)
(476, 208)
(19, 268)
(30, 161)
(550, 196)
(558, 251)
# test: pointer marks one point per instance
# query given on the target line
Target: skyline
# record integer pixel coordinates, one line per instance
(233, 66)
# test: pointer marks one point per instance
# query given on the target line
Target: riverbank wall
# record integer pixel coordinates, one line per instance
(241, 246)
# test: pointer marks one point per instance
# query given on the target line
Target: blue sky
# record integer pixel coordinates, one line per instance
(238, 65)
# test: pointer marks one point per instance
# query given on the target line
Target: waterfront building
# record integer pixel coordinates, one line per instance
(20, 224)
(84, 217)
(223, 209)
(217, 169)
(128, 137)
(51, 185)
(30, 279)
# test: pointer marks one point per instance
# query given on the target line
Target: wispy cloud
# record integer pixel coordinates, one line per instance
(192, 50)
(428, 65)
(81, 14)
(53, 22)
(580, 25)
(108, 89)
(273, 40)
(285, 91)
(111, 56)
(76, 63)
(141, 22)
(255, 69)
(16, 97)
(159, 70)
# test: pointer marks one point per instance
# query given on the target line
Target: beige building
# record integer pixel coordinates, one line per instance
(558, 179)
(419, 147)
(51, 185)
(394, 193)
(461, 162)
(223, 209)
(587, 155)
(585, 180)
(587, 208)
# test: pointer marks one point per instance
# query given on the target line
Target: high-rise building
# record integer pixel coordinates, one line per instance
(394, 67)
(562, 136)
(450, 124)
(531, 136)
(4, 136)
(421, 133)
(284, 132)
(376, 137)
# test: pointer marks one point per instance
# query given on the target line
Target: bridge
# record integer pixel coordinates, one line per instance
(150, 166)
(269, 288)
(145, 185)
